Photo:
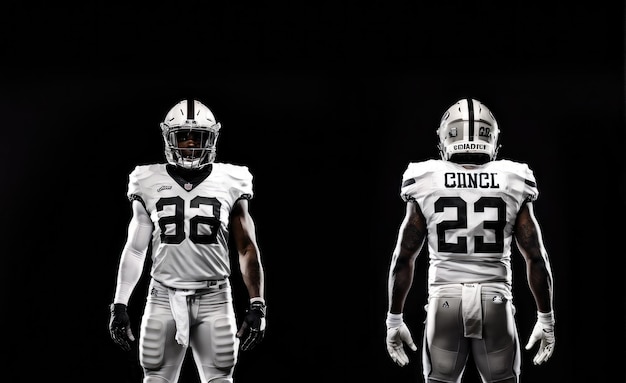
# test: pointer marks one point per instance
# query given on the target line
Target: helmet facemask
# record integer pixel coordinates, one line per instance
(190, 135)
(468, 133)
(197, 156)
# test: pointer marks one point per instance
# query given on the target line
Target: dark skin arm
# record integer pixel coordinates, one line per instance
(244, 235)
(411, 236)
(530, 243)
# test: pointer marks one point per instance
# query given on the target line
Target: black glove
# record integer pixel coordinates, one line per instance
(253, 326)
(119, 326)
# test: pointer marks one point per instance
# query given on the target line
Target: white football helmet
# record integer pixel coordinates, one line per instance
(185, 119)
(468, 127)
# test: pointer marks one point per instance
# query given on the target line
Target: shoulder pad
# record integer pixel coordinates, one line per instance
(144, 171)
(239, 172)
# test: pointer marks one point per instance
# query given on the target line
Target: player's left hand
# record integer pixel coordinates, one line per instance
(396, 337)
(543, 331)
(252, 328)
(119, 326)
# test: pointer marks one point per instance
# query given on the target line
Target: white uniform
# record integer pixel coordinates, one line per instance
(190, 297)
(470, 214)
(190, 237)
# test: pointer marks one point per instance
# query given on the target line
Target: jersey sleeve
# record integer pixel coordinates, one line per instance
(531, 192)
(135, 191)
(526, 184)
(241, 181)
(413, 179)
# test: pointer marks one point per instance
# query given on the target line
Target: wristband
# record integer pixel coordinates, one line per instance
(257, 299)
(393, 320)
(546, 318)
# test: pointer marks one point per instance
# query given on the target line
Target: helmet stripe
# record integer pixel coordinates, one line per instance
(470, 110)
(190, 112)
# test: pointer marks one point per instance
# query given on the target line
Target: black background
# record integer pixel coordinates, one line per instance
(326, 103)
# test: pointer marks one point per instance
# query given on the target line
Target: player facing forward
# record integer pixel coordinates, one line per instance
(186, 209)
(469, 207)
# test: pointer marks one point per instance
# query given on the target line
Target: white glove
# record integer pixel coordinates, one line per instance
(398, 334)
(544, 331)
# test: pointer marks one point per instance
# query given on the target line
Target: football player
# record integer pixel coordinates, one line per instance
(186, 209)
(469, 207)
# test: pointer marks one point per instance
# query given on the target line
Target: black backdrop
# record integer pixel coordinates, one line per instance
(326, 104)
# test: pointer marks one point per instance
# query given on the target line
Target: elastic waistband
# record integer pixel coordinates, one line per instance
(455, 289)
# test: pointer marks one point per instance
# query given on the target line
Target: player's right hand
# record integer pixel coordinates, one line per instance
(119, 326)
(543, 332)
(252, 328)
(396, 337)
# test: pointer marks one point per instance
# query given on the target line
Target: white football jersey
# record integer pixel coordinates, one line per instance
(191, 221)
(470, 215)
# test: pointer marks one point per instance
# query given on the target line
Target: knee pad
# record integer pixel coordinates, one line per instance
(223, 341)
(221, 380)
(152, 344)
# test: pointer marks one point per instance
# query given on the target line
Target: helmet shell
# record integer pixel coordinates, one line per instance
(468, 127)
(190, 116)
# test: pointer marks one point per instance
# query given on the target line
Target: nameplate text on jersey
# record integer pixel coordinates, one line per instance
(471, 180)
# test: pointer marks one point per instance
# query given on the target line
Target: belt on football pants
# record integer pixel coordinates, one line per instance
(211, 285)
